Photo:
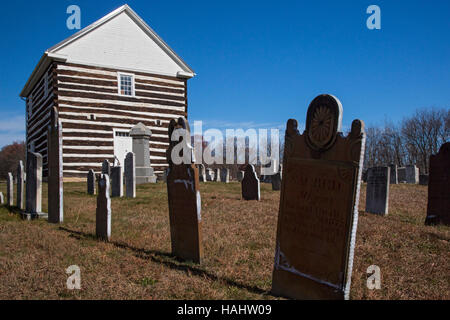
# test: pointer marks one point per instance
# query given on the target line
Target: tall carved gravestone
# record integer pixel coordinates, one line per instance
(34, 186)
(20, 186)
(91, 182)
(10, 190)
(184, 196)
(250, 184)
(412, 174)
(141, 149)
(103, 212)
(106, 168)
(438, 209)
(377, 192)
(130, 175)
(225, 175)
(117, 181)
(55, 169)
(318, 205)
(394, 176)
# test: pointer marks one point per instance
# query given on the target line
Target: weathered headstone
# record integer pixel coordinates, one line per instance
(240, 175)
(423, 179)
(401, 175)
(130, 175)
(412, 174)
(55, 169)
(201, 173)
(34, 187)
(141, 149)
(319, 205)
(225, 175)
(377, 192)
(276, 180)
(103, 212)
(117, 181)
(250, 184)
(20, 186)
(209, 175)
(438, 209)
(184, 199)
(91, 182)
(217, 175)
(394, 176)
(106, 168)
(2, 199)
(10, 190)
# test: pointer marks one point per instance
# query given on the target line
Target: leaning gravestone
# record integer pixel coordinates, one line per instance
(34, 187)
(117, 181)
(141, 149)
(184, 198)
(103, 212)
(394, 176)
(412, 174)
(106, 168)
(91, 182)
(55, 169)
(9, 190)
(20, 186)
(438, 209)
(217, 175)
(250, 184)
(276, 180)
(225, 175)
(377, 192)
(318, 205)
(423, 179)
(130, 175)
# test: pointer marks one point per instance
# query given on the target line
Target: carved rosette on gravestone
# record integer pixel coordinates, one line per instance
(117, 181)
(55, 169)
(276, 180)
(318, 205)
(438, 208)
(412, 174)
(377, 192)
(33, 202)
(250, 184)
(225, 175)
(201, 173)
(394, 175)
(103, 212)
(91, 182)
(184, 197)
(106, 167)
(9, 190)
(130, 175)
(141, 149)
(20, 186)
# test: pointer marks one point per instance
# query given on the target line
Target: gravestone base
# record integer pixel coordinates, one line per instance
(34, 216)
(145, 175)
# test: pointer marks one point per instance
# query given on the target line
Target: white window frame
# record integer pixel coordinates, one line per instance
(133, 92)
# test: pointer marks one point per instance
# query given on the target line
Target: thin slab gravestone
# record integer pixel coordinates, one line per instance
(412, 174)
(91, 182)
(225, 175)
(394, 175)
(377, 191)
(130, 175)
(103, 211)
(401, 174)
(276, 180)
(250, 184)
(20, 195)
(201, 173)
(55, 170)
(106, 167)
(209, 175)
(10, 190)
(438, 208)
(184, 197)
(318, 205)
(2, 199)
(217, 175)
(33, 202)
(240, 175)
(117, 181)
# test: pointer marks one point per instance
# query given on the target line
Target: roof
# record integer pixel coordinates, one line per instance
(51, 55)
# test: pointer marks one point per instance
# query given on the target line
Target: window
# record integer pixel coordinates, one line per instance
(126, 84)
(122, 134)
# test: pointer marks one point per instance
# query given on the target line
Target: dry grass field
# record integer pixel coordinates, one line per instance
(238, 240)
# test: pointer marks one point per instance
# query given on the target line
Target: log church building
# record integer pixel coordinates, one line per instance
(103, 80)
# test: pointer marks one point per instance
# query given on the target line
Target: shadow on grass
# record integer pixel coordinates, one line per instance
(162, 258)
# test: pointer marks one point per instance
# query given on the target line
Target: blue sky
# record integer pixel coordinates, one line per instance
(260, 63)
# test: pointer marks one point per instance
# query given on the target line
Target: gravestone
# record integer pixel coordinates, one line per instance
(2, 199)
(33, 207)
(20, 186)
(103, 212)
(209, 175)
(141, 149)
(423, 179)
(240, 175)
(106, 168)
(184, 198)
(217, 175)
(10, 190)
(201, 173)
(318, 212)
(130, 175)
(55, 169)
(91, 182)
(377, 192)
(394, 176)
(276, 180)
(401, 175)
(438, 208)
(250, 184)
(117, 181)
(225, 175)
(412, 174)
